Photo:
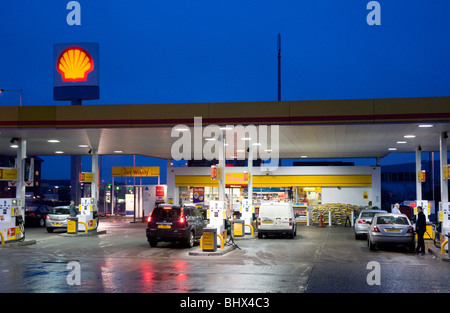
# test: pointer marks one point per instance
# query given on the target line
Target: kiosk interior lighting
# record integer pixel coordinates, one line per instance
(53, 140)
(426, 125)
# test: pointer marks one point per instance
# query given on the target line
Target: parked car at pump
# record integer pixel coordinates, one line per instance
(276, 218)
(389, 228)
(57, 218)
(35, 214)
(172, 223)
(362, 222)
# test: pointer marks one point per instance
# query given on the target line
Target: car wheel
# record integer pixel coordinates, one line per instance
(292, 235)
(190, 240)
(370, 244)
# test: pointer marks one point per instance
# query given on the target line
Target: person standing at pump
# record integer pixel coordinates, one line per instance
(396, 209)
(421, 225)
(73, 210)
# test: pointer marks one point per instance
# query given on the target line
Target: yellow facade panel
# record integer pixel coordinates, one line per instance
(283, 180)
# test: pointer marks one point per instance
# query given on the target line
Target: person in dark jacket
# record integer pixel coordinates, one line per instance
(421, 226)
(73, 210)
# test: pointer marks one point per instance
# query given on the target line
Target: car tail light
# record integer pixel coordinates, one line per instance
(290, 221)
(259, 221)
(375, 229)
(361, 221)
(31, 215)
(47, 217)
(149, 219)
(410, 230)
(182, 220)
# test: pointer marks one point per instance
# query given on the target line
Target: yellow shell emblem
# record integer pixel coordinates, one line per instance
(74, 64)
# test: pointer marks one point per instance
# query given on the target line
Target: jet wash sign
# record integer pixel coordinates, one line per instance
(76, 71)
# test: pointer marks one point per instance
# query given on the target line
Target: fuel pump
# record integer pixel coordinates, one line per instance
(247, 214)
(88, 214)
(425, 209)
(12, 217)
(217, 215)
(444, 219)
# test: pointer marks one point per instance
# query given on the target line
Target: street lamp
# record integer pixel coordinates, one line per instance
(18, 90)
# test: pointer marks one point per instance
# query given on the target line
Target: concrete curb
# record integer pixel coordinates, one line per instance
(219, 251)
(437, 253)
(18, 244)
(83, 234)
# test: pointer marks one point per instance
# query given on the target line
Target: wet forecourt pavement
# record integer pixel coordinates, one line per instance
(327, 259)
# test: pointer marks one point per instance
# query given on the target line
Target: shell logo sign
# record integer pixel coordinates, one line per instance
(76, 71)
(74, 64)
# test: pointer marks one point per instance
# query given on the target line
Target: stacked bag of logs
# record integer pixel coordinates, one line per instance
(339, 213)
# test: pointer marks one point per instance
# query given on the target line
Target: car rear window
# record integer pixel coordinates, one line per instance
(166, 212)
(60, 211)
(367, 214)
(392, 220)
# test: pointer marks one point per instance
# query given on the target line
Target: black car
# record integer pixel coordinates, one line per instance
(175, 224)
(35, 214)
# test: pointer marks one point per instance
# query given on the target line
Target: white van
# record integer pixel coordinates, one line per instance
(276, 218)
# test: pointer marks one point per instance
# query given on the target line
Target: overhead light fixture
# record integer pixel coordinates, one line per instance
(257, 144)
(118, 151)
(392, 149)
(304, 156)
(210, 139)
(409, 136)
(53, 140)
(401, 142)
(268, 150)
(83, 146)
(246, 138)
(425, 125)
(14, 146)
(239, 150)
(181, 129)
(59, 152)
(226, 128)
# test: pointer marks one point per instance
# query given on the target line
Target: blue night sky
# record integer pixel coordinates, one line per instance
(179, 51)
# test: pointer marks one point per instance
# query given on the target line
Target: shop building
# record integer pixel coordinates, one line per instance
(310, 185)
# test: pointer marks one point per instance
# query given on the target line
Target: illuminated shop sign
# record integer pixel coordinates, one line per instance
(76, 71)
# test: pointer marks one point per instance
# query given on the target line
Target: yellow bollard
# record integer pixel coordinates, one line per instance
(85, 226)
(251, 228)
(3, 238)
(221, 241)
(443, 246)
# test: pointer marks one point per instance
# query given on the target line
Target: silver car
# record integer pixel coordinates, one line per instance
(57, 218)
(391, 228)
(362, 222)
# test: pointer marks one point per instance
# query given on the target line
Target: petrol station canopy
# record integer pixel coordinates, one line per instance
(353, 128)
